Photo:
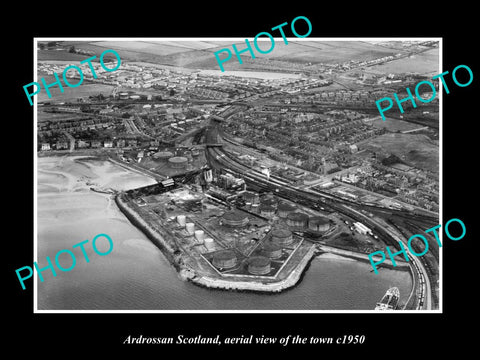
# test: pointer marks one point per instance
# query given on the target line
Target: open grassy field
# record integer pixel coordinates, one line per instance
(416, 150)
(299, 52)
(44, 116)
(131, 55)
(160, 48)
(61, 55)
(199, 54)
(69, 93)
(426, 63)
(395, 125)
(329, 51)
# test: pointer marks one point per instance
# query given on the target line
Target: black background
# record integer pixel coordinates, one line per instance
(386, 334)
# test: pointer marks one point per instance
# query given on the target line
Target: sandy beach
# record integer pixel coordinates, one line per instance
(136, 275)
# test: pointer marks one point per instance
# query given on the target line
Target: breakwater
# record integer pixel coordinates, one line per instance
(257, 286)
(153, 234)
(401, 265)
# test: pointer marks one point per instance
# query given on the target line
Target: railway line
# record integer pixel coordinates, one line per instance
(316, 195)
(220, 160)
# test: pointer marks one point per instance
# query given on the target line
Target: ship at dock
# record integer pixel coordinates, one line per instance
(389, 300)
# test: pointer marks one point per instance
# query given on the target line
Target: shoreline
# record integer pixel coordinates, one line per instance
(348, 254)
(186, 273)
(143, 226)
(200, 278)
(292, 279)
(288, 283)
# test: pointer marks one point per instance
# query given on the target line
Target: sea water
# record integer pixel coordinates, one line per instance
(136, 276)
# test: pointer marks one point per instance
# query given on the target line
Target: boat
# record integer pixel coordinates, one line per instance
(389, 300)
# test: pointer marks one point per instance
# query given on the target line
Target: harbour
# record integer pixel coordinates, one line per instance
(137, 276)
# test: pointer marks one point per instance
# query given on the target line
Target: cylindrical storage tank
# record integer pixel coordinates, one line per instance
(190, 227)
(266, 210)
(134, 97)
(297, 221)
(259, 265)
(181, 219)
(319, 223)
(123, 96)
(209, 244)
(199, 235)
(269, 201)
(283, 209)
(272, 250)
(235, 218)
(282, 237)
(163, 155)
(251, 197)
(195, 152)
(178, 162)
(224, 259)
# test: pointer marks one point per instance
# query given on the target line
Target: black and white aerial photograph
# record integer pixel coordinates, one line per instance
(263, 187)
(224, 181)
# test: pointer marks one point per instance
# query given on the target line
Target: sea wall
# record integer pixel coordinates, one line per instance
(153, 234)
(156, 237)
(400, 264)
(278, 286)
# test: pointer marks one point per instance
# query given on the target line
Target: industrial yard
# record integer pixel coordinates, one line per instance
(211, 239)
(214, 228)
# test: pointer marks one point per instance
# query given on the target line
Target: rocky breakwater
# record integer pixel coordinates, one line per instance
(186, 272)
(131, 211)
(256, 285)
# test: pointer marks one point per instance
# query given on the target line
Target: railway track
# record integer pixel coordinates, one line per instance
(220, 160)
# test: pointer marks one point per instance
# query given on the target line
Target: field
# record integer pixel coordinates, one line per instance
(395, 125)
(301, 52)
(72, 93)
(416, 150)
(426, 63)
(163, 48)
(44, 116)
(59, 55)
(199, 54)
(329, 51)
(158, 47)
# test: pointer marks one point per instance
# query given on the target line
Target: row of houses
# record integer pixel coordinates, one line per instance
(76, 124)
(86, 144)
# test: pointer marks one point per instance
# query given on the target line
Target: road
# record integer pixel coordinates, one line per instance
(71, 139)
(425, 289)
(219, 159)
